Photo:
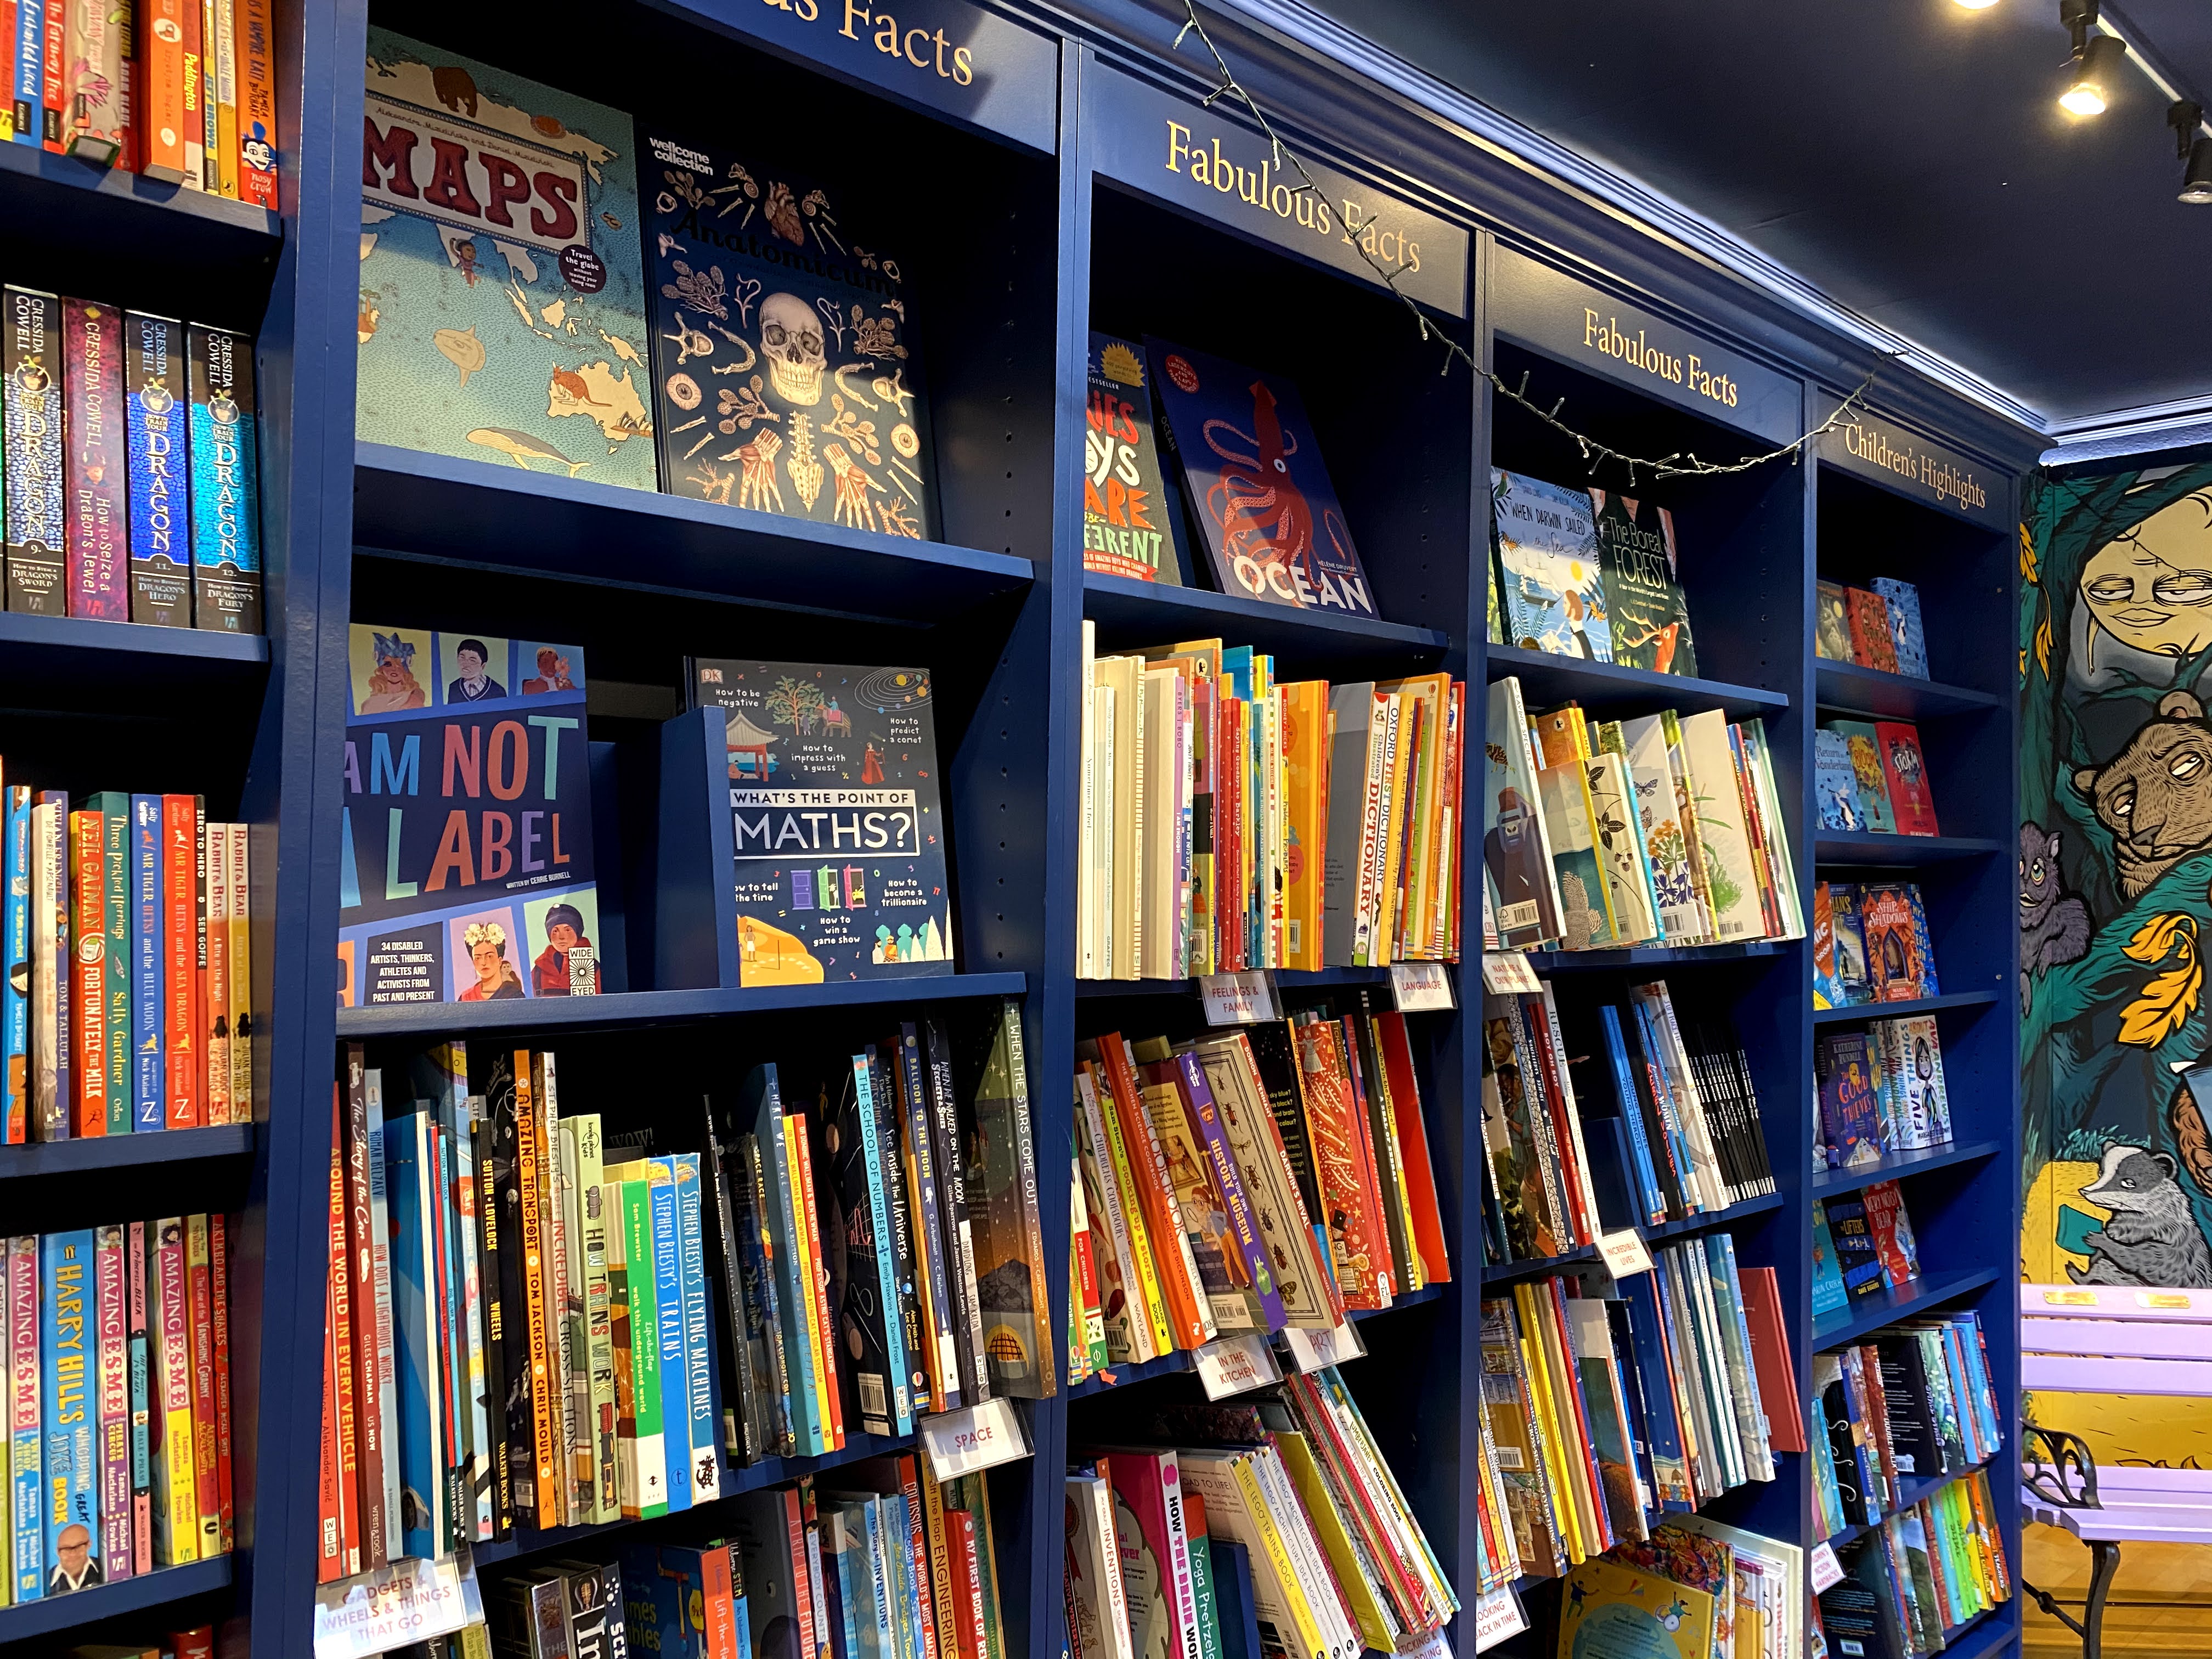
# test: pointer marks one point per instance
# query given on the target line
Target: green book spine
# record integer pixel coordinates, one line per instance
(644, 1349)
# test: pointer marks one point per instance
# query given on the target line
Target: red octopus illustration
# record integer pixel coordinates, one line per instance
(1264, 516)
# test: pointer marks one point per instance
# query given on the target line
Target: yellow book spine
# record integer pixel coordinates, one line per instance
(1148, 1275)
(1567, 1499)
(1375, 1625)
(1311, 1639)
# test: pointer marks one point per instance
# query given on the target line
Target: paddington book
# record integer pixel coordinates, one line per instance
(502, 291)
(837, 829)
(1259, 492)
(465, 870)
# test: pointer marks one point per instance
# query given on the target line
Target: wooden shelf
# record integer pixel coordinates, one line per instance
(164, 1146)
(1846, 688)
(1606, 688)
(660, 1007)
(1896, 1166)
(411, 504)
(1917, 1006)
(1870, 849)
(1922, 1296)
(1131, 613)
(54, 1614)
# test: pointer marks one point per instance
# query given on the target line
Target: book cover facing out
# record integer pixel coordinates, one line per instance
(1642, 585)
(1551, 569)
(1128, 518)
(783, 365)
(838, 834)
(503, 292)
(1259, 491)
(465, 870)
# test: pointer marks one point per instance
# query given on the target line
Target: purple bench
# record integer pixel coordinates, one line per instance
(2111, 1339)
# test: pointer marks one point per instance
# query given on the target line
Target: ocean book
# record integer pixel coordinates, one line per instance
(502, 312)
(1551, 568)
(783, 364)
(1128, 518)
(1257, 486)
(1649, 618)
(838, 832)
(465, 871)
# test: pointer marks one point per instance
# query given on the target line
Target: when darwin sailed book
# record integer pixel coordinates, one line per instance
(1259, 492)
(838, 834)
(503, 295)
(781, 346)
(465, 871)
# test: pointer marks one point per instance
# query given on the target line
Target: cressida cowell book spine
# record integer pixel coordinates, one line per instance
(226, 523)
(15, 986)
(67, 1351)
(31, 450)
(112, 1287)
(97, 568)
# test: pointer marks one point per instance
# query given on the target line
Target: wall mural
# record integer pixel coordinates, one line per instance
(2115, 876)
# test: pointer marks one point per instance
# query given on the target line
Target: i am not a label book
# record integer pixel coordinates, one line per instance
(783, 365)
(465, 874)
(1128, 518)
(503, 295)
(1258, 489)
(1551, 569)
(838, 836)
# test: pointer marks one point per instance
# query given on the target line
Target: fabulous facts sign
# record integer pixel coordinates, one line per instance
(1194, 159)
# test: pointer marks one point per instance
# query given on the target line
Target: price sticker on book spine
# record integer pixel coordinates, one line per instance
(409, 1601)
(981, 1438)
(1496, 1616)
(1507, 973)
(1822, 1569)
(1311, 1350)
(1420, 987)
(1236, 1365)
(1623, 1253)
(1237, 999)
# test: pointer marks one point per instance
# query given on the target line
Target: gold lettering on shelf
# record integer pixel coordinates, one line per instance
(1939, 475)
(1683, 369)
(1259, 186)
(933, 54)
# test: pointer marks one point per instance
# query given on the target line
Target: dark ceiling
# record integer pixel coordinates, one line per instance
(1907, 157)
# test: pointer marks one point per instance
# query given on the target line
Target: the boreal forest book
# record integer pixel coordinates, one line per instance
(1551, 570)
(782, 346)
(1128, 518)
(838, 833)
(1642, 585)
(1257, 486)
(502, 294)
(465, 874)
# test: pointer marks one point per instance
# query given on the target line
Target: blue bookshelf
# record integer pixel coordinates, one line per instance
(1072, 223)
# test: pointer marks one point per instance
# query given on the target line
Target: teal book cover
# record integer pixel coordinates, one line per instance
(1829, 1296)
(502, 288)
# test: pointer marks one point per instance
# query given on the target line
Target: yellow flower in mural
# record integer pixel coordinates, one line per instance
(2172, 994)
(2029, 572)
(2043, 646)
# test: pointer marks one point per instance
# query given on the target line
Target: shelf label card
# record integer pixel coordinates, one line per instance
(1623, 1253)
(1202, 162)
(1237, 999)
(409, 1601)
(1580, 324)
(1311, 1350)
(1907, 463)
(1236, 1365)
(1823, 1570)
(1420, 987)
(1496, 1616)
(1507, 973)
(981, 1438)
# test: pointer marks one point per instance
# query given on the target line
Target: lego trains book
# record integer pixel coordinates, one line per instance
(785, 377)
(838, 830)
(465, 871)
(1257, 486)
(502, 293)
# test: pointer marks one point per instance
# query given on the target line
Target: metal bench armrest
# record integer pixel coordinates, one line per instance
(2059, 1468)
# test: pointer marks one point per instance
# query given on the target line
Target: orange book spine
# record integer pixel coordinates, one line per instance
(200, 1288)
(256, 105)
(161, 104)
(1148, 1165)
(88, 958)
(179, 854)
(215, 904)
(826, 1355)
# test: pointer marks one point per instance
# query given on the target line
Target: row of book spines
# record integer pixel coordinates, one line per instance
(118, 1403)
(1882, 627)
(1875, 1081)
(1922, 1572)
(131, 466)
(132, 921)
(1918, 1401)
(189, 98)
(1880, 928)
(1676, 1371)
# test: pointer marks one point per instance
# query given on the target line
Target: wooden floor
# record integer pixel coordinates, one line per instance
(2179, 1574)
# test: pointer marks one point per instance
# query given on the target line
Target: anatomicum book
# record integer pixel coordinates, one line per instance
(838, 837)
(503, 295)
(465, 871)
(1259, 492)
(782, 362)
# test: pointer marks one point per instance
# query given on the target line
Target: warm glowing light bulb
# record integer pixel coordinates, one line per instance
(2082, 97)
(1977, 5)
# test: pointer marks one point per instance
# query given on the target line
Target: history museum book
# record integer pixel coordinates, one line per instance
(839, 839)
(784, 375)
(1259, 491)
(503, 292)
(465, 871)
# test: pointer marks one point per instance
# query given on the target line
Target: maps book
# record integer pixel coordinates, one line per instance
(839, 837)
(1650, 620)
(465, 871)
(783, 370)
(503, 295)
(1128, 518)
(1550, 569)
(1259, 492)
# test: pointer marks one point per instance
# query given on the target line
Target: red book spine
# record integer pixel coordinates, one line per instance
(802, 1582)
(219, 1278)
(967, 1584)
(257, 105)
(1330, 1119)
(200, 1291)
(179, 845)
(87, 833)
(53, 84)
(909, 1469)
(1386, 1265)
(190, 1643)
(95, 461)
(360, 1256)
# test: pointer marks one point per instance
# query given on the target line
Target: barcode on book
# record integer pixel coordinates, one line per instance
(872, 1394)
(1509, 1457)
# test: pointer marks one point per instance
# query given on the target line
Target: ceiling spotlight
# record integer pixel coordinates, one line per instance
(2091, 77)
(1977, 5)
(2197, 178)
